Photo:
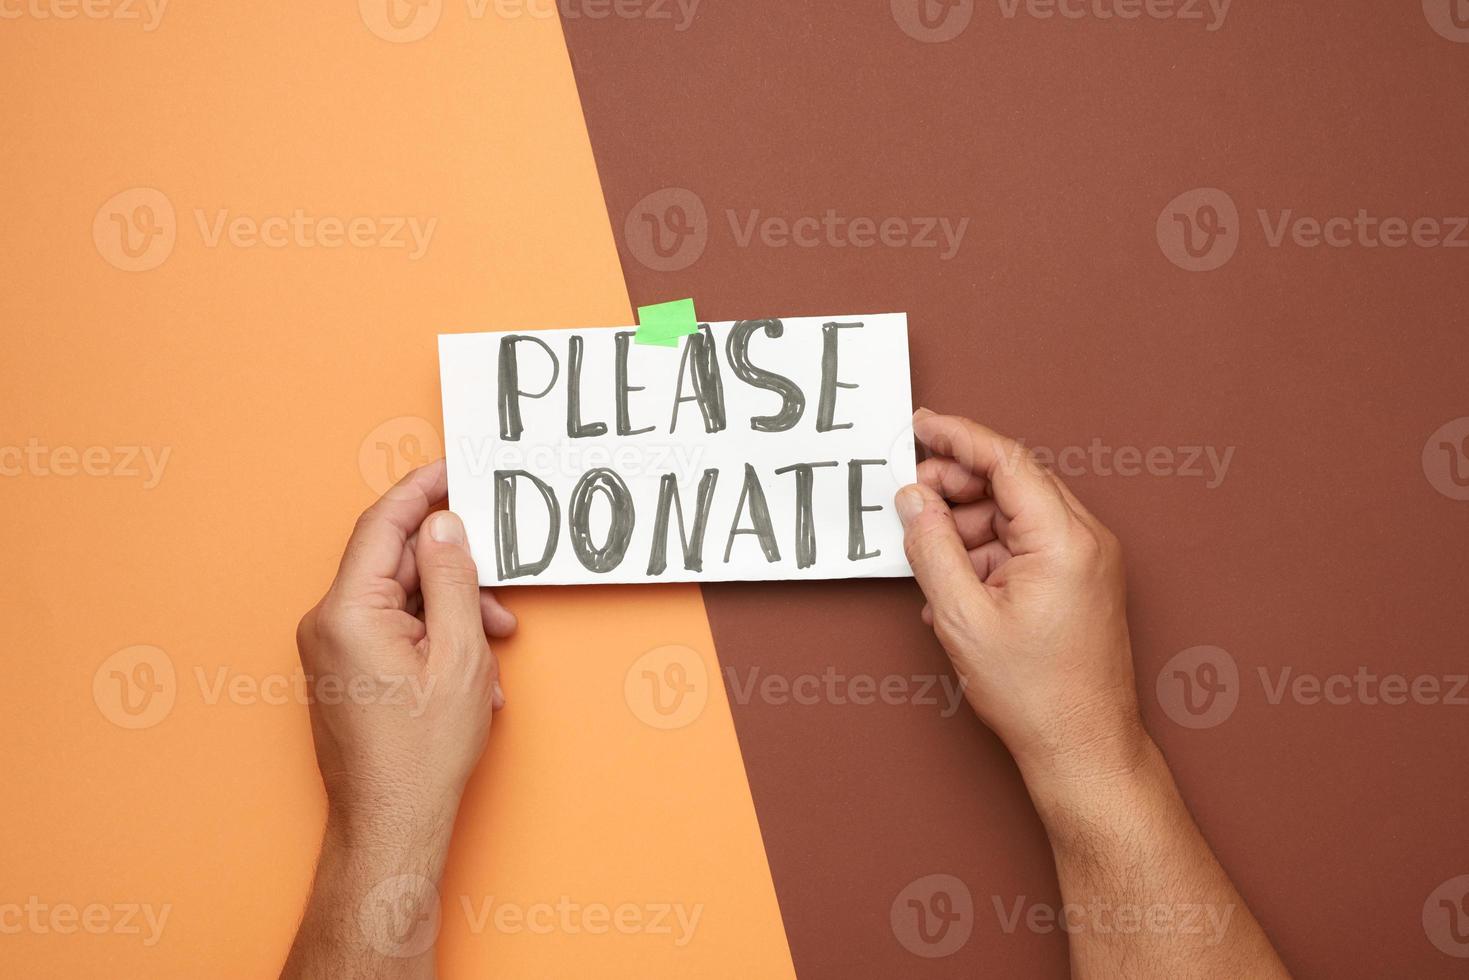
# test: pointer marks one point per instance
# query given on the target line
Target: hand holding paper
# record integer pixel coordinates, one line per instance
(404, 687)
(1026, 593)
(756, 449)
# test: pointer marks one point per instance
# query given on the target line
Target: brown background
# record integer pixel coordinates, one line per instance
(1060, 320)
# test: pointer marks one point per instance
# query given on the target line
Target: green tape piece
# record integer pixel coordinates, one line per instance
(664, 323)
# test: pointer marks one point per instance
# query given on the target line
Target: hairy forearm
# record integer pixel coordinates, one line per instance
(1144, 895)
(373, 910)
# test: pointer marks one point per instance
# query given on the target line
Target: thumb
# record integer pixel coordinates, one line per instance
(450, 584)
(936, 551)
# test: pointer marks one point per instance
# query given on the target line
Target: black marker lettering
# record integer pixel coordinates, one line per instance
(510, 393)
(708, 386)
(805, 526)
(759, 518)
(737, 349)
(826, 408)
(619, 529)
(693, 545)
(507, 558)
(856, 542)
(623, 341)
(574, 427)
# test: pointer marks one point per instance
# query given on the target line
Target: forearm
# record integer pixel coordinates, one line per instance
(1144, 894)
(373, 910)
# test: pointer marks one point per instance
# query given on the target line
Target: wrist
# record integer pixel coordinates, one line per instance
(391, 838)
(1094, 759)
(375, 905)
(1080, 802)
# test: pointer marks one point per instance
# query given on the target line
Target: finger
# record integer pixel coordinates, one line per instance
(952, 480)
(935, 550)
(497, 692)
(1077, 508)
(976, 522)
(407, 574)
(449, 582)
(988, 558)
(1017, 482)
(499, 622)
(415, 632)
(1002, 529)
(375, 551)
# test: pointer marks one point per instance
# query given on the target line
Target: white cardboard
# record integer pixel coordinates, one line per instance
(871, 354)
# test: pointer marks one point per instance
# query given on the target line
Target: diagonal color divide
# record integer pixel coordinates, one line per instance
(282, 388)
(1023, 186)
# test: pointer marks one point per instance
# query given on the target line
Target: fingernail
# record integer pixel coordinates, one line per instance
(910, 504)
(499, 696)
(447, 528)
(921, 413)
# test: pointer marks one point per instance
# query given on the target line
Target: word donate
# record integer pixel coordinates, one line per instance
(756, 449)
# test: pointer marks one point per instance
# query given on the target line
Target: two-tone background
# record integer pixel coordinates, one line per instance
(1209, 257)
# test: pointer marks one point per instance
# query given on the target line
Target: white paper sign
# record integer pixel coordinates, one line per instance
(759, 449)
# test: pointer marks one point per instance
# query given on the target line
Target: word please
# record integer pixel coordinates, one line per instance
(699, 364)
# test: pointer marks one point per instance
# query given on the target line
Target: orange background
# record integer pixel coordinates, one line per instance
(270, 375)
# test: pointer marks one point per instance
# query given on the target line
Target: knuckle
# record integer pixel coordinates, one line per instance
(463, 654)
(306, 629)
(953, 620)
(364, 521)
(1020, 458)
(486, 667)
(335, 621)
(1081, 546)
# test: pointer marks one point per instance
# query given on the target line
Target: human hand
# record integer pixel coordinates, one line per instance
(1026, 592)
(403, 632)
